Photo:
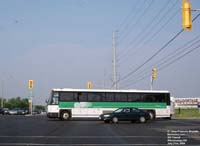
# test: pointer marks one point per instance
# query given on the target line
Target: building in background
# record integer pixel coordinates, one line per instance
(190, 102)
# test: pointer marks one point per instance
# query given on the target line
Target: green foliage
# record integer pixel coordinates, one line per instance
(185, 113)
(39, 108)
(16, 102)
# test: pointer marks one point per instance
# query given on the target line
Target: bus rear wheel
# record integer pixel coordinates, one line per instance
(152, 115)
(64, 116)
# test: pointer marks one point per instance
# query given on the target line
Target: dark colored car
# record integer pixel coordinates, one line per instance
(17, 111)
(1, 111)
(126, 114)
(4, 111)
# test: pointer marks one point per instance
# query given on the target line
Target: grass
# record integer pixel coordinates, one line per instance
(187, 113)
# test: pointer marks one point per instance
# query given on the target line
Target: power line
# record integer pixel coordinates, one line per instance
(173, 61)
(128, 24)
(143, 41)
(159, 30)
(138, 20)
(156, 53)
(123, 24)
(165, 66)
(175, 53)
(166, 59)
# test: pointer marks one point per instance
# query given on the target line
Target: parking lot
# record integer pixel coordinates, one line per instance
(39, 130)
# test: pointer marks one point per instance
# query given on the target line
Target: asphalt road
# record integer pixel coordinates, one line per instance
(39, 131)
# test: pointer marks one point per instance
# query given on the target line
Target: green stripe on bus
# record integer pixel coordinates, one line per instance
(111, 104)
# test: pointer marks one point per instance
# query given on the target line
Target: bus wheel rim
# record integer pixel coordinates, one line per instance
(151, 115)
(65, 115)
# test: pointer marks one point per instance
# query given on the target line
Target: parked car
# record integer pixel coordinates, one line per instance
(4, 111)
(126, 114)
(17, 111)
(1, 111)
(13, 111)
(25, 111)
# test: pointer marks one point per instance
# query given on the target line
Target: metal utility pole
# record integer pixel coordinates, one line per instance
(115, 84)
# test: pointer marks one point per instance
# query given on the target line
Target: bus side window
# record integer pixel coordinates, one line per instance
(94, 97)
(66, 96)
(110, 97)
(76, 97)
(134, 97)
(120, 97)
(103, 97)
(83, 97)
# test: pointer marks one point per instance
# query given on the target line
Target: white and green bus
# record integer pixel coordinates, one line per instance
(68, 103)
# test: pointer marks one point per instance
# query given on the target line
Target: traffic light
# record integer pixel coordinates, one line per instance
(186, 15)
(89, 85)
(30, 84)
(154, 73)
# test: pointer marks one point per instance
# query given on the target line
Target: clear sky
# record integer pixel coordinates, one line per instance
(66, 43)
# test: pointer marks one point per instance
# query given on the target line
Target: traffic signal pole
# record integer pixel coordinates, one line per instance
(30, 102)
(30, 86)
(151, 83)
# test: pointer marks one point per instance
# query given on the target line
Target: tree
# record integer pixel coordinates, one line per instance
(16, 102)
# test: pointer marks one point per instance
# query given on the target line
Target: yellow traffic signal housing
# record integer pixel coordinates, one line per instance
(30, 84)
(154, 73)
(89, 85)
(186, 15)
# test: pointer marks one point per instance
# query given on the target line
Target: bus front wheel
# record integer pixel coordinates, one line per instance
(65, 116)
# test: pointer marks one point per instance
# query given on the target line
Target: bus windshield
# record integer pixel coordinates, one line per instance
(53, 98)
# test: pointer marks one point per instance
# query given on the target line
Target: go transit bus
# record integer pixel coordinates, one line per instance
(67, 103)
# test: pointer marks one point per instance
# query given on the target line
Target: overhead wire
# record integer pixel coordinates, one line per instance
(170, 63)
(126, 20)
(132, 19)
(145, 10)
(148, 26)
(166, 59)
(156, 53)
(151, 57)
(176, 59)
(147, 37)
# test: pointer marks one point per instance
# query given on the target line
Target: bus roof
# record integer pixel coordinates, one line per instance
(109, 90)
